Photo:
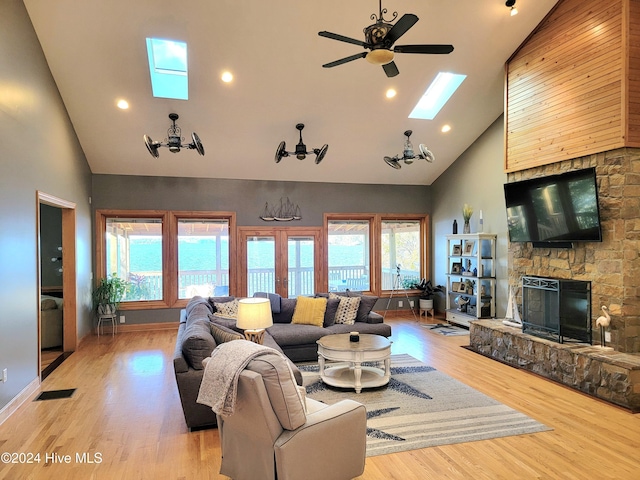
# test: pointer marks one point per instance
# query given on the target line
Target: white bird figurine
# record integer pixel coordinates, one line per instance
(604, 321)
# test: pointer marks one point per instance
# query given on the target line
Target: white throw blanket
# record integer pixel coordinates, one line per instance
(222, 369)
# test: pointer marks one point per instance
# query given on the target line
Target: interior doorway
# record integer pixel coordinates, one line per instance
(57, 325)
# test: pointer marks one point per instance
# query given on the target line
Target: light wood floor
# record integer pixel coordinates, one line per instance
(126, 417)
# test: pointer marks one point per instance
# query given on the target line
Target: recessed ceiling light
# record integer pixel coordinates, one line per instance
(123, 104)
(391, 93)
(227, 77)
(445, 128)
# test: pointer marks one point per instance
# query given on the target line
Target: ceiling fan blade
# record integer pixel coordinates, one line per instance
(390, 69)
(401, 27)
(431, 49)
(342, 38)
(345, 60)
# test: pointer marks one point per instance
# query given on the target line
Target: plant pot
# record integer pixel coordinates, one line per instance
(106, 309)
(466, 228)
(426, 304)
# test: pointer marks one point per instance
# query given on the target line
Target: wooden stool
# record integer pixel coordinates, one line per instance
(427, 312)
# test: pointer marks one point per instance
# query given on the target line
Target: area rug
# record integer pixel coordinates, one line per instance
(421, 407)
(447, 330)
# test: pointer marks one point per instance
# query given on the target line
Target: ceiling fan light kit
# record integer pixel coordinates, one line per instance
(174, 140)
(408, 154)
(379, 39)
(301, 149)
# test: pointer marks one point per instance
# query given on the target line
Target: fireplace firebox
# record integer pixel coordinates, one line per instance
(557, 309)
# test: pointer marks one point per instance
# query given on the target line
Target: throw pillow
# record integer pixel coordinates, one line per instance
(309, 311)
(347, 309)
(227, 309)
(367, 303)
(223, 334)
(330, 312)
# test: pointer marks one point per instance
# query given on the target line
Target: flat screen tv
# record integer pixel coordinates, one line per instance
(556, 210)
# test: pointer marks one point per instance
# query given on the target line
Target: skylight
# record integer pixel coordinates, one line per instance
(168, 68)
(437, 94)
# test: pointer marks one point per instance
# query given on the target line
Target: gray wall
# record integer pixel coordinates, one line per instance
(477, 178)
(40, 151)
(247, 199)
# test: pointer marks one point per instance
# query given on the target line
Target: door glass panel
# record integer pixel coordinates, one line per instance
(261, 265)
(300, 269)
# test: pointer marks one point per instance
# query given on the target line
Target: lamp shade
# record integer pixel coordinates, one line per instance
(254, 313)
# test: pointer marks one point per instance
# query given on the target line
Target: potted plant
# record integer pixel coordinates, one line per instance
(108, 294)
(427, 290)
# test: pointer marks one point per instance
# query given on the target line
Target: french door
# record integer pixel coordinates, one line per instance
(282, 260)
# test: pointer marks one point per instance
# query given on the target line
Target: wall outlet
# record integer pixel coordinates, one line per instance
(400, 303)
(411, 303)
(4, 375)
(121, 318)
(607, 336)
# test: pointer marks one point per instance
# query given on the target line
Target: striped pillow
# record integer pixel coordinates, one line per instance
(223, 334)
(347, 309)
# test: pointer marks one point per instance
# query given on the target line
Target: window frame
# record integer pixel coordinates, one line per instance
(375, 246)
(169, 220)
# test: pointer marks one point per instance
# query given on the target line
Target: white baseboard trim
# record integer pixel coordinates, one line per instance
(26, 393)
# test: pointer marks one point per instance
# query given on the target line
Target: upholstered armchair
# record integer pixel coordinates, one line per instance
(275, 433)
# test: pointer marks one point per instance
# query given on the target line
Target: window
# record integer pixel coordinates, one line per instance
(348, 249)
(364, 252)
(166, 256)
(134, 252)
(400, 253)
(168, 68)
(203, 257)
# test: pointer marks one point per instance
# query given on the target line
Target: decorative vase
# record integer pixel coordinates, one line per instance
(467, 227)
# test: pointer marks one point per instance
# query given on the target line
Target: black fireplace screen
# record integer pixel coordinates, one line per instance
(557, 309)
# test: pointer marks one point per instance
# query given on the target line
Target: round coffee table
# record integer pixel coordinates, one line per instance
(351, 373)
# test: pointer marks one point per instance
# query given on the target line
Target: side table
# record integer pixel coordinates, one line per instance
(107, 317)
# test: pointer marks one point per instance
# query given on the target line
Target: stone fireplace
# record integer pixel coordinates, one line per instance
(613, 265)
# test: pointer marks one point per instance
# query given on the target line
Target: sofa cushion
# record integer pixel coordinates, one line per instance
(288, 334)
(309, 311)
(198, 343)
(287, 307)
(223, 334)
(227, 309)
(197, 301)
(347, 309)
(281, 389)
(330, 312)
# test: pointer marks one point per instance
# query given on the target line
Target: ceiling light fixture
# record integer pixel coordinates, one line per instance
(512, 5)
(445, 128)
(301, 149)
(227, 77)
(122, 104)
(408, 155)
(391, 93)
(173, 140)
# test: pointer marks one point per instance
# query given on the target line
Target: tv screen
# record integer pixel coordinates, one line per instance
(557, 208)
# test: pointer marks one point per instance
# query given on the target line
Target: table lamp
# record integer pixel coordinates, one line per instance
(254, 315)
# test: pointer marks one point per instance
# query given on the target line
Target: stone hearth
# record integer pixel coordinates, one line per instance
(603, 373)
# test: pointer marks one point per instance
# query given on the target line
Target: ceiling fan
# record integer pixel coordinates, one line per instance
(173, 140)
(379, 39)
(408, 155)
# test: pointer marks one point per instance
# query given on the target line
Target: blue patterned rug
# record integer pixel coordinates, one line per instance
(421, 407)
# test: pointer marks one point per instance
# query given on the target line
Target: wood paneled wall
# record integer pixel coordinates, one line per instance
(573, 88)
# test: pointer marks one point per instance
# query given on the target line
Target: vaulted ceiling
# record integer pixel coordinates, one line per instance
(96, 50)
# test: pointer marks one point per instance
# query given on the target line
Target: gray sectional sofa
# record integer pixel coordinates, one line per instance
(195, 342)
